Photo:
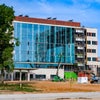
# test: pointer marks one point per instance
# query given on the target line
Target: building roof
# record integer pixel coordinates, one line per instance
(47, 21)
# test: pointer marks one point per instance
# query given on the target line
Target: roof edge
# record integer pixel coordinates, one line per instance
(47, 21)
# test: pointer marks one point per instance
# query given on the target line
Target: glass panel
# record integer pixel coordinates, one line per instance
(43, 43)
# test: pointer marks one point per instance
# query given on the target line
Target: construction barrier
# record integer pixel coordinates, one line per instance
(70, 75)
(82, 80)
(82, 77)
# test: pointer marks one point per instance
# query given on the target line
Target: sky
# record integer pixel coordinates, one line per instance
(85, 11)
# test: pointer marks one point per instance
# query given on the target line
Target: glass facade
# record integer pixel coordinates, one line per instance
(43, 43)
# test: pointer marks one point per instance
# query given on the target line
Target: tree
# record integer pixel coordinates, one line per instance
(7, 40)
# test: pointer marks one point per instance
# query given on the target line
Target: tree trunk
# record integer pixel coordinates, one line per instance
(2, 76)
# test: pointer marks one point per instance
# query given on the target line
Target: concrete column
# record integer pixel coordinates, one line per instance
(12, 78)
(9, 76)
(28, 76)
(5, 75)
(63, 66)
(13, 75)
(20, 79)
(20, 76)
(48, 76)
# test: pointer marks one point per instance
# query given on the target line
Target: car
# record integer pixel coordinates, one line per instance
(94, 79)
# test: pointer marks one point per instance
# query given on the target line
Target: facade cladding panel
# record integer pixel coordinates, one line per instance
(43, 43)
(46, 21)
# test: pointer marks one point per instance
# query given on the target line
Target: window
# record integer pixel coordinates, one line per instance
(31, 76)
(93, 50)
(94, 59)
(89, 58)
(93, 34)
(88, 34)
(40, 76)
(94, 42)
(88, 42)
(88, 50)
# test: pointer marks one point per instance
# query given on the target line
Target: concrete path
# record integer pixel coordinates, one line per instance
(52, 96)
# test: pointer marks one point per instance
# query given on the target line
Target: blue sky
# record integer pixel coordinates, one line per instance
(85, 11)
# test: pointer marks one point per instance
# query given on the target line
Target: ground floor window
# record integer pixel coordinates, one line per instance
(23, 76)
(17, 76)
(31, 76)
(40, 76)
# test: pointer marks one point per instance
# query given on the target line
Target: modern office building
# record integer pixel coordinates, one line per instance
(47, 43)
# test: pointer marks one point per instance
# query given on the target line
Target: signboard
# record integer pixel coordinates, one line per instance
(82, 79)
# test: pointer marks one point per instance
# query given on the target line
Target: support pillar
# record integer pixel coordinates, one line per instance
(20, 79)
(9, 76)
(20, 76)
(63, 66)
(12, 78)
(5, 75)
(28, 76)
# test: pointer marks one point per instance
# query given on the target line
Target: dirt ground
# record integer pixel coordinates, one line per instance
(48, 86)
(56, 87)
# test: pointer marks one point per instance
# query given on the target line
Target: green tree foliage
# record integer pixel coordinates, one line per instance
(7, 40)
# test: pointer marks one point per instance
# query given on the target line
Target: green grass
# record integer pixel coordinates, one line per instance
(16, 87)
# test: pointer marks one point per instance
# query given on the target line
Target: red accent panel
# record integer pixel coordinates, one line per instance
(47, 21)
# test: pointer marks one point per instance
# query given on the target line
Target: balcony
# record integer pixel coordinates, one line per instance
(79, 31)
(80, 39)
(80, 64)
(80, 48)
(79, 35)
(79, 44)
(80, 56)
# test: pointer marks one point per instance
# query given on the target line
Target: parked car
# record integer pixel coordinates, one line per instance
(94, 79)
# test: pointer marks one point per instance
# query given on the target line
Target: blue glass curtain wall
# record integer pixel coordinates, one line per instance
(43, 43)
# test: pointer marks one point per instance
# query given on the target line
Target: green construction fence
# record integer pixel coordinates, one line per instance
(70, 75)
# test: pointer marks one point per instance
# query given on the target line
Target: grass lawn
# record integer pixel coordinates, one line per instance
(17, 87)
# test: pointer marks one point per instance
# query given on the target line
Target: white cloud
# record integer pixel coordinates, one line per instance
(45, 6)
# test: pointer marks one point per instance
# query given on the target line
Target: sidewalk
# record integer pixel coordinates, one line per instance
(52, 96)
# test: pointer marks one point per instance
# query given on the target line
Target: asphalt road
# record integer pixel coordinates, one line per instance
(52, 96)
